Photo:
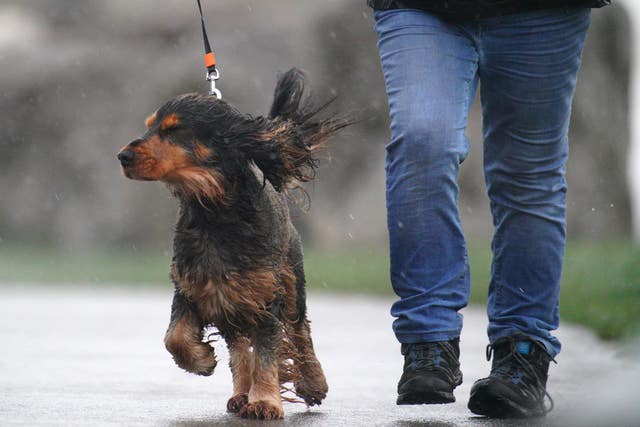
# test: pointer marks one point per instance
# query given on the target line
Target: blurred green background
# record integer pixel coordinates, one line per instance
(600, 280)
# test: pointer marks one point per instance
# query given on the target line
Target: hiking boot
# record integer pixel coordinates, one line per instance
(431, 372)
(516, 386)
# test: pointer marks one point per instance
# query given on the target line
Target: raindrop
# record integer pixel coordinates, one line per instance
(350, 236)
(400, 224)
(351, 217)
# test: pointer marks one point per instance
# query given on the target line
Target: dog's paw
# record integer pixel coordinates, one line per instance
(237, 402)
(205, 362)
(313, 391)
(199, 359)
(262, 410)
(311, 396)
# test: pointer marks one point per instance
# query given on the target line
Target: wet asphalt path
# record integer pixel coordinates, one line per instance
(95, 356)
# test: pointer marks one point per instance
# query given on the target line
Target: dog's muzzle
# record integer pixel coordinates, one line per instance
(126, 157)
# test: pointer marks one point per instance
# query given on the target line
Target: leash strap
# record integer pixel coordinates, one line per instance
(213, 73)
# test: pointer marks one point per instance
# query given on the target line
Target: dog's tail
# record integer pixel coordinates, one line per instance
(297, 131)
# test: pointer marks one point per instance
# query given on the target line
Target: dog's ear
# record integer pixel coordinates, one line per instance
(286, 145)
(280, 149)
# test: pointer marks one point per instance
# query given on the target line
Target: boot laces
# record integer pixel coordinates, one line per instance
(514, 367)
(433, 356)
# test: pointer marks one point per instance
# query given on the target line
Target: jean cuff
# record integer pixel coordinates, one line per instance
(427, 337)
(548, 345)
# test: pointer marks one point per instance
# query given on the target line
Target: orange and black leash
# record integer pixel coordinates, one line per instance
(213, 73)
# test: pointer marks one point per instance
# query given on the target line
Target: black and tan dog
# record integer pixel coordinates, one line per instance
(237, 262)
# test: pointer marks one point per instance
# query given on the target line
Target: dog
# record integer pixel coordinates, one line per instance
(237, 258)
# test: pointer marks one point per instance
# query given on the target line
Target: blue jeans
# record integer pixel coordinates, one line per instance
(527, 66)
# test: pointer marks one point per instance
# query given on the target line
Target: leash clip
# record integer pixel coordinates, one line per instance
(212, 76)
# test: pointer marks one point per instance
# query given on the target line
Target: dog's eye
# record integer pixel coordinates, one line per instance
(177, 134)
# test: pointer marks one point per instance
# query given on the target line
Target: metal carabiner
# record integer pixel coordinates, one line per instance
(211, 78)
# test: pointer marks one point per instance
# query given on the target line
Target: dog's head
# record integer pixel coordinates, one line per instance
(198, 145)
(201, 146)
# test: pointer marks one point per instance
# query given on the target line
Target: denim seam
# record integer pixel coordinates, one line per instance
(466, 271)
(497, 277)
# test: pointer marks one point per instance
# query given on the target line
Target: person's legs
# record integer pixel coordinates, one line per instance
(528, 68)
(430, 73)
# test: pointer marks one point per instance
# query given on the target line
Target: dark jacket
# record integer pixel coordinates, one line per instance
(469, 9)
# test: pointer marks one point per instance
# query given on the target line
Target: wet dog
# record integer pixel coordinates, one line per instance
(237, 258)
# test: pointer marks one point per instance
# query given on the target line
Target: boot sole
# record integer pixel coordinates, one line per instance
(425, 398)
(493, 406)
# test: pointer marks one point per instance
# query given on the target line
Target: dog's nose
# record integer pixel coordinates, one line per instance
(126, 157)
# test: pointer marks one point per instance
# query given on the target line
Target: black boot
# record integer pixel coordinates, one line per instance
(431, 372)
(516, 387)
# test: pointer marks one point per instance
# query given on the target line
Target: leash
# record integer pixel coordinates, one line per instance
(213, 73)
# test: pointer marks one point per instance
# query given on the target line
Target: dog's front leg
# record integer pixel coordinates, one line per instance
(264, 396)
(241, 363)
(184, 339)
(312, 387)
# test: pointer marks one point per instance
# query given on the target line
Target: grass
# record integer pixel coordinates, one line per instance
(601, 282)
(45, 265)
(601, 288)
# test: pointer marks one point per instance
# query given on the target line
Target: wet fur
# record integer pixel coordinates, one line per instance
(238, 261)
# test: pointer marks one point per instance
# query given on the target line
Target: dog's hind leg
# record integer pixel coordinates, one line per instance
(184, 339)
(312, 386)
(241, 364)
(265, 401)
